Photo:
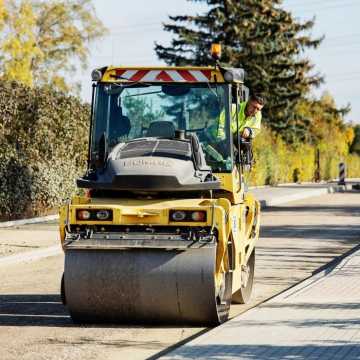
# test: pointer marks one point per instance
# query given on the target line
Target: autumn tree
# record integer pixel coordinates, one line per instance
(44, 40)
(355, 146)
(2, 13)
(19, 45)
(264, 39)
(328, 125)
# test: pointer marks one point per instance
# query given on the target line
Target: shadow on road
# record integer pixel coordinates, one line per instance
(33, 310)
(47, 310)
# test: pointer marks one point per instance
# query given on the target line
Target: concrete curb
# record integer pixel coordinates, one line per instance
(37, 220)
(302, 195)
(31, 255)
(279, 200)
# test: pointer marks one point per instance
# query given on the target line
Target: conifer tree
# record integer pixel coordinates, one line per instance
(261, 37)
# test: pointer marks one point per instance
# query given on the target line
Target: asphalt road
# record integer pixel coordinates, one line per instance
(296, 239)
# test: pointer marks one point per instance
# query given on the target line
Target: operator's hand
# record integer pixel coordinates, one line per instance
(247, 133)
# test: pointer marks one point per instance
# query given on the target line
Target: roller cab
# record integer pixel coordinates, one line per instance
(165, 231)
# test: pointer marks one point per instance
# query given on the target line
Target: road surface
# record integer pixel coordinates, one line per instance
(296, 239)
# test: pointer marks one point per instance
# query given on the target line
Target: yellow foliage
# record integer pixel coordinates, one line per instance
(352, 166)
(19, 46)
(42, 38)
(2, 13)
(349, 135)
(278, 162)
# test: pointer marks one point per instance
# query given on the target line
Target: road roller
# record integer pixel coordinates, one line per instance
(165, 230)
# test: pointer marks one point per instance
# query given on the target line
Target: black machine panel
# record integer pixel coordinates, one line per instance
(160, 147)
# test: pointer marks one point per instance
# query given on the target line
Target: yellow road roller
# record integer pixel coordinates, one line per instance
(166, 231)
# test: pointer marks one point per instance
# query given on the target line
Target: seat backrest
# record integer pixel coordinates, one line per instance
(163, 129)
(120, 126)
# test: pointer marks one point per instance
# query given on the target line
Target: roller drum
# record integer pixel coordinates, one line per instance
(143, 286)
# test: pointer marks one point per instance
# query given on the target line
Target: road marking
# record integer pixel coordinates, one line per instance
(31, 255)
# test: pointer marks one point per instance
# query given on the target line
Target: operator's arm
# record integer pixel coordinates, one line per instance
(254, 123)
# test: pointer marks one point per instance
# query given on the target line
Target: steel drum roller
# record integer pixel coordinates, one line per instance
(142, 286)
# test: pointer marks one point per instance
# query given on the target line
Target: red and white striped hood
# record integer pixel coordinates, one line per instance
(178, 75)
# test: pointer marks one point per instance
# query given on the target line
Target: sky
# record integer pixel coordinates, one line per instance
(134, 26)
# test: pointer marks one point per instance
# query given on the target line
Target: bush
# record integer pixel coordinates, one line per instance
(43, 142)
(278, 162)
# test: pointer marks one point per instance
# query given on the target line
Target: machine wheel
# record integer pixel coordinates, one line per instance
(62, 290)
(223, 298)
(146, 286)
(242, 296)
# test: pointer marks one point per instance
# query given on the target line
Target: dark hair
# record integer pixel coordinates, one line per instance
(258, 98)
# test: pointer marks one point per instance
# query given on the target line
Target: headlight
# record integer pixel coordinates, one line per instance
(96, 75)
(83, 215)
(178, 215)
(199, 216)
(188, 216)
(94, 215)
(103, 214)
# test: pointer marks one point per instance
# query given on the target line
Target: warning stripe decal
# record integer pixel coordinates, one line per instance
(164, 75)
(186, 75)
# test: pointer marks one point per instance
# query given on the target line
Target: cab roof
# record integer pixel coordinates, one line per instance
(176, 74)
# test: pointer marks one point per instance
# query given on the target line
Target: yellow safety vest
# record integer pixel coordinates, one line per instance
(252, 122)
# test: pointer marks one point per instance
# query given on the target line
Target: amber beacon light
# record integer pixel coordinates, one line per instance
(216, 51)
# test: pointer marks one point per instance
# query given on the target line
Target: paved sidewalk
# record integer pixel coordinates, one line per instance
(317, 319)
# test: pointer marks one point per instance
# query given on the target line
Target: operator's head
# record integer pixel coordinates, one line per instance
(254, 105)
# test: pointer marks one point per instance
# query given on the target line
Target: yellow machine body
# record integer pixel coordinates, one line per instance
(232, 215)
(237, 221)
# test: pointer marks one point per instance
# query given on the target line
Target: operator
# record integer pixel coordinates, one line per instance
(248, 118)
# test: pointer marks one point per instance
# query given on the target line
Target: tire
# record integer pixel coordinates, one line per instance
(62, 290)
(223, 302)
(243, 295)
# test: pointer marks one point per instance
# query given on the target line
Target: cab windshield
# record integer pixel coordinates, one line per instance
(124, 112)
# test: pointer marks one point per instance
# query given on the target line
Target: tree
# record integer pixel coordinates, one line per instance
(2, 13)
(261, 37)
(355, 146)
(19, 46)
(328, 122)
(43, 40)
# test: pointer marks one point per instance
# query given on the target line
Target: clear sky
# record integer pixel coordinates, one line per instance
(135, 25)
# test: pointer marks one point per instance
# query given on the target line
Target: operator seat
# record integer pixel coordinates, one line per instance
(120, 127)
(162, 129)
(119, 124)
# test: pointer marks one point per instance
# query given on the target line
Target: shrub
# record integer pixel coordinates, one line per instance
(278, 162)
(43, 143)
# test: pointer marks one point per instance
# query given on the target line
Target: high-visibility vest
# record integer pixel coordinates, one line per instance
(252, 122)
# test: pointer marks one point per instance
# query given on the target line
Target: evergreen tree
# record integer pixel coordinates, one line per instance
(265, 40)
